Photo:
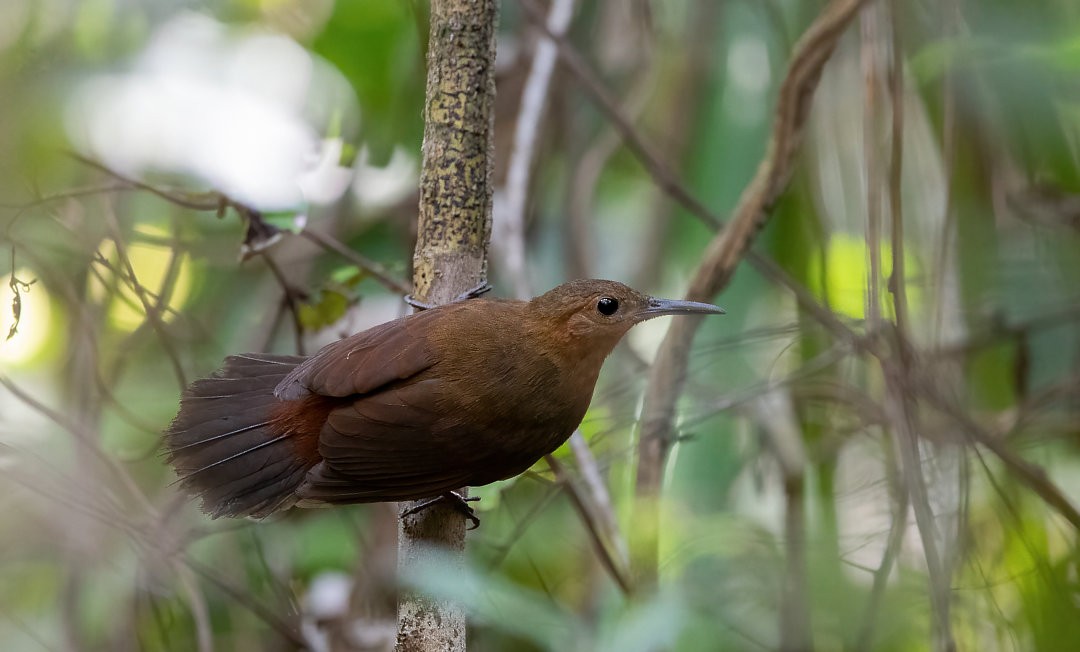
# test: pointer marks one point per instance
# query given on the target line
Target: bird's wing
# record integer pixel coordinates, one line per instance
(366, 361)
(395, 444)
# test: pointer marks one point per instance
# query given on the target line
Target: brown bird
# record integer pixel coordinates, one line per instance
(463, 394)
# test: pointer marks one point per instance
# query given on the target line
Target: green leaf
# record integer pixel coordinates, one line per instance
(329, 307)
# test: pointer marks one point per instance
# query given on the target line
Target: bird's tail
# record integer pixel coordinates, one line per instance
(230, 443)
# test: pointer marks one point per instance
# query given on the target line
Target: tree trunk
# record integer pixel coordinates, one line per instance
(450, 258)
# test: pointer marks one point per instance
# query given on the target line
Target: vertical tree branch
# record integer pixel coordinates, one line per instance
(950, 19)
(897, 368)
(871, 101)
(534, 99)
(901, 411)
(900, 495)
(598, 513)
(898, 283)
(776, 414)
(451, 256)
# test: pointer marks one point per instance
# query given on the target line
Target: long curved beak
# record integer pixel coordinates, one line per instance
(659, 307)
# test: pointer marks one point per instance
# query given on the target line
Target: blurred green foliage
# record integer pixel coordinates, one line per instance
(99, 551)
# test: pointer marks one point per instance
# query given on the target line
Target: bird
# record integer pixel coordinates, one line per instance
(462, 394)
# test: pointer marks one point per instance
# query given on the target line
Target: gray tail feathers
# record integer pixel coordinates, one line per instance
(227, 444)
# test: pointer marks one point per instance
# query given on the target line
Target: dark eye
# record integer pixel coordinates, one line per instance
(607, 305)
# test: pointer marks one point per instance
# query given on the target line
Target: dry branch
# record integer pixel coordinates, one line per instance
(534, 99)
(656, 167)
(602, 548)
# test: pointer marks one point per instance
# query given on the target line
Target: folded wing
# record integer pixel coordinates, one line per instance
(396, 439)
(395, 444)
(366, 361)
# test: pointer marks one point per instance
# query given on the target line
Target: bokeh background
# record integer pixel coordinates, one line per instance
(123, 281)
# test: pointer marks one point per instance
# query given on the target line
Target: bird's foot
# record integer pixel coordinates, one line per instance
(479, 289)
(455, 500)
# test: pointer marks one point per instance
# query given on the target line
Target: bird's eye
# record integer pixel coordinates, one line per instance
(607, 305)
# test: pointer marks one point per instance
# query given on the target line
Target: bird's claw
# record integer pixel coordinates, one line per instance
(456, 500)
(481, 288)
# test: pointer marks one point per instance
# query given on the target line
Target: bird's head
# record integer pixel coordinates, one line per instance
(589, 317)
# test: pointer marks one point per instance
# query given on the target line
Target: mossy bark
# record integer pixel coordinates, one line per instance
(454, 230)
(455, 184)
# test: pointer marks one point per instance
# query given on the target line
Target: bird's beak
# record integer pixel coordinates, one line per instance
(659, 307)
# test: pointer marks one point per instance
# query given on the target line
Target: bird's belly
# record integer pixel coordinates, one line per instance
(511, 447)
(414, 442)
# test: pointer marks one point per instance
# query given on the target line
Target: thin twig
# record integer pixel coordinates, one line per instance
(534, 98)
(1053, 578)
(688, 86)
(950, 20)
(798, 89)
(153, 315)
(1030, 475)
(54, 282)
(26, 629)
(81, 435)
(809, 368)
(208, 201)
(777, 416)
(897, 367)
(530, 118)
(892, 548)
(900, 409)
(279, 625)
(659, 170)
(871, 100)
(119, 519)
(160, 299)
(199, 612)
(620, 576)
(73, 193)
(898, 283)
(122, 275)
(218, 202)
(502, 550)
(577, 236)
(380, 273)
(1062, 313)
(291, 301)
(600, 497)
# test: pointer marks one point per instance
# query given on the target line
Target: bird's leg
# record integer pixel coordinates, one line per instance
(479, 289)
(456, 500)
